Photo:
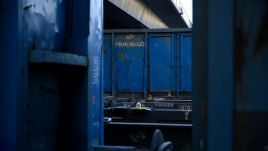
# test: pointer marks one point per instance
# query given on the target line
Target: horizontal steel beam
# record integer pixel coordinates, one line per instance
(147, 30)
(141, 12)
(48, 57)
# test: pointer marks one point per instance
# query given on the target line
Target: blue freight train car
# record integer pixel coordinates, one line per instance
(147, 62)
(151, 69)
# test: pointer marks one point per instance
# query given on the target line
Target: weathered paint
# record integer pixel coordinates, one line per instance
(161, 63)
(95, 104)
(186, 63)
(44, 23)
(147, 61)
(46, 102)
(129, 62)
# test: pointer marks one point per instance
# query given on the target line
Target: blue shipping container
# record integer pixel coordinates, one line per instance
(147, 61)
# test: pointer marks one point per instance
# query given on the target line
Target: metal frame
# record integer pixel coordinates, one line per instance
(13, 77)
(213, 89)
(19, 66)
(147, 30)
(146, 66)
(178, 65)
(113, 68)
(95, 96)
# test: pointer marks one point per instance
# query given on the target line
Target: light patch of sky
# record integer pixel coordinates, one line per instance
(187, 8)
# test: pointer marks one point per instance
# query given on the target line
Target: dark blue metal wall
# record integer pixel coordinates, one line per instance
(147, 61)
(230, 78)
(10, 75)
(51, 87)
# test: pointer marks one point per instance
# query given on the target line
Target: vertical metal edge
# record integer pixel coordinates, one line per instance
(180, 62)
(200, 74)
(101, 139)
(13, 78)
(172, 62)
(220, 74)
(95, 102)
(22, 88)
(145, 65)
(177, 68)
(89, 104)
(148, 64)
(113, 68)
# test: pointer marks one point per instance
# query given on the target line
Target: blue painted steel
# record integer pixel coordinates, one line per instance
(59, 58)
(220, 77)
(44, 24)
(44, 106)
(145, 83)
(11, 76)
(178, 63)
(200, 74)
(230, 75)
(95, 104)
(113, 68)
(129, 62)
(107, 57)
(161, 63)
(186, 63)
(250, 75)
(165, 56)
